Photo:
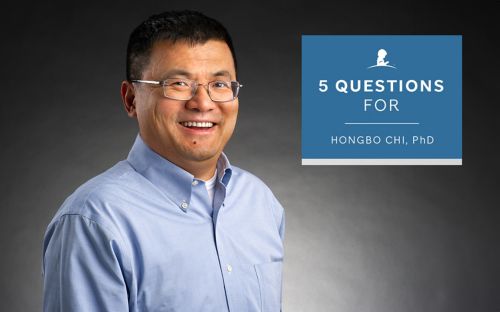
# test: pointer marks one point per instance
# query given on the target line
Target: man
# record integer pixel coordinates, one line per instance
(174, 227)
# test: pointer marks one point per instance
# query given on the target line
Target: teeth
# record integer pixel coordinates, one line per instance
(197, 124)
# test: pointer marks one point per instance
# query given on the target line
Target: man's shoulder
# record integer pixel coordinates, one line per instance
(242, 176)
(248, 187)
(245, 181)
(91, 198)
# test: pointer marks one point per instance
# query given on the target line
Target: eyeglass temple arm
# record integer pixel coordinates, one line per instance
(147, 81)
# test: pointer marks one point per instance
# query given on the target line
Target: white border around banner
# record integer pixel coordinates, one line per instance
(381, 161)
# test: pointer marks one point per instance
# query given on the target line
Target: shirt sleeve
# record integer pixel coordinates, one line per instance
(282, 227)
(279, 214)
(82, 267)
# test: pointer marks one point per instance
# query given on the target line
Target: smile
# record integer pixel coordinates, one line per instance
(196, 124)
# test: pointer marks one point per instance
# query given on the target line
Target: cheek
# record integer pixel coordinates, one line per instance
(145, 106)
(165, 113)
(231, 116)
(155, 115)
(230, 110)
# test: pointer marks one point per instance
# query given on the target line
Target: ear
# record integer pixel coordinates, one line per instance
(128, 97)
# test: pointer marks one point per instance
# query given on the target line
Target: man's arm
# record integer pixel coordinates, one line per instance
(279, 215)
(282, 226)
(82, 267)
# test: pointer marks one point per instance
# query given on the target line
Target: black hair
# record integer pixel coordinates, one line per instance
(189, 26)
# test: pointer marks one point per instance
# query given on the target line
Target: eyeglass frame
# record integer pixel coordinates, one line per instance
(196, 84)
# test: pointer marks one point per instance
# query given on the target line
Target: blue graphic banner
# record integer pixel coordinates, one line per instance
(382, 100)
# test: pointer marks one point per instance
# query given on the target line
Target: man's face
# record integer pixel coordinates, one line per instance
(162, 121)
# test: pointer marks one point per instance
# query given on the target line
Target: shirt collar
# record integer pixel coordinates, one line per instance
(173, 181)
(224, 170)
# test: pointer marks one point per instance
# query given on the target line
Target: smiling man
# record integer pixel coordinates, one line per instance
(174, 227)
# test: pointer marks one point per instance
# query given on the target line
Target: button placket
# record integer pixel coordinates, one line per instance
(227, 269)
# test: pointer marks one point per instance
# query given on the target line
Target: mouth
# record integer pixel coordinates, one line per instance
(198, 125)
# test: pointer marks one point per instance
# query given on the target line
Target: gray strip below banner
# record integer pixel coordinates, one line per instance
(382, 161)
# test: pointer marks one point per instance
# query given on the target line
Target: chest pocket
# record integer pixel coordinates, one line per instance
(269, 275)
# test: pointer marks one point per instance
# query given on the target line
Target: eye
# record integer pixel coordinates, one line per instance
(220, 84)
(177, 83)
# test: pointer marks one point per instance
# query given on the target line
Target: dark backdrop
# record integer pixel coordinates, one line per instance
(372, 238)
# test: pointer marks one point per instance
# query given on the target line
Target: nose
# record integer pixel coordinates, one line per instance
(201, 100)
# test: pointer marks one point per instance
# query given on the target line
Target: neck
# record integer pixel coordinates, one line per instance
(202, 170)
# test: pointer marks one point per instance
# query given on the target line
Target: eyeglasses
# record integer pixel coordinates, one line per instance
(185, 89)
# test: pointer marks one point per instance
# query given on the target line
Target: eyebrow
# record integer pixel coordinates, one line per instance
(175, 72)
(185, 73)
(222, 73)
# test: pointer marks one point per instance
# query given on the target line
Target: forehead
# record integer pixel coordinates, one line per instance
(206, 59)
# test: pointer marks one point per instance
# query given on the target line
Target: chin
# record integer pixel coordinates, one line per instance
(200, 154)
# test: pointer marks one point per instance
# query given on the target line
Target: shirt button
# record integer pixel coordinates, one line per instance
(229, 268)
(195, 182)
(184, 205)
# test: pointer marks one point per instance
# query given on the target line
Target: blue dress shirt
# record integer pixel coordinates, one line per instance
(144, 236)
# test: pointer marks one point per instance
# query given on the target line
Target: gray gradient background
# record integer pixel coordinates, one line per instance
(374, 238)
